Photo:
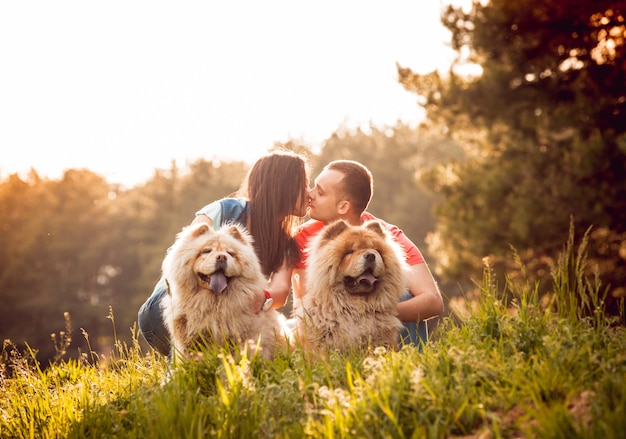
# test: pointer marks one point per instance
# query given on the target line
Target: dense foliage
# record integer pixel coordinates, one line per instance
(542, 116)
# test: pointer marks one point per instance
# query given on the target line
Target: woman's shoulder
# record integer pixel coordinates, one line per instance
(235, 210)
(226, 210)
(233, 203)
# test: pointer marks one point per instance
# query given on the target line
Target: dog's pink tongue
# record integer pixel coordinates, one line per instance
(218, 282)
(367, 278)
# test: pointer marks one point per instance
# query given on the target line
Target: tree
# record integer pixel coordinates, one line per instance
(544, 125)
(53, 255)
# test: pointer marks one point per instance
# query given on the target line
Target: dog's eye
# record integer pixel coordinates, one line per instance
(348, 252)
(206, 251)
(231, 254)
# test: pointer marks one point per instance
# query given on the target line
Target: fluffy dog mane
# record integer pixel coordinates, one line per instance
(178, 265)
(331, 315)
(195, 311)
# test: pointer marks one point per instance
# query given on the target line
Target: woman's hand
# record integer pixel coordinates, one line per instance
(280, 285)
(258, 302)
(278, 290)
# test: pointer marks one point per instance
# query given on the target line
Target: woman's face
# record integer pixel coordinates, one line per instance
(302, 203)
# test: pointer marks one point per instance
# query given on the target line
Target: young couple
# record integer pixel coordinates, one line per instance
(274, 194)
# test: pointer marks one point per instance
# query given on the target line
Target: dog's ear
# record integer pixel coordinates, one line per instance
(200, 229)
(375, 226)
(236, 233)
(334, 229)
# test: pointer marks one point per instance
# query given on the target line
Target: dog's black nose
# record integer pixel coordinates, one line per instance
(221, 261)
(370, 257)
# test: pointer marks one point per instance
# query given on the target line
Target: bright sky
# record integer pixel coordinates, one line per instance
(124, 87)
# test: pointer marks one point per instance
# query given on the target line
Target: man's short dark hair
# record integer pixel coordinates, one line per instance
(357, 184)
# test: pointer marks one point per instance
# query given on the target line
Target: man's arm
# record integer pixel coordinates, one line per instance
(426, 302)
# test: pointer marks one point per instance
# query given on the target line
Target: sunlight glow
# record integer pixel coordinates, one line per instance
(124, 88)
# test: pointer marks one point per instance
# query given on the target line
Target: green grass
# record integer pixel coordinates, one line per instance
(538, 368)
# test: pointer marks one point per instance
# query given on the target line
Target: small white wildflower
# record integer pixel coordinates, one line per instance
(342, 399)
(324, 392)
(416, 378)
(380, 350)
(245, 373)
(373, 365)
(336, 397)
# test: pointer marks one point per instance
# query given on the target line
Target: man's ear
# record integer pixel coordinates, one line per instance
(343, 207)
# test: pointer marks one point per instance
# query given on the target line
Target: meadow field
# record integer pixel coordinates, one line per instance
(508, 364)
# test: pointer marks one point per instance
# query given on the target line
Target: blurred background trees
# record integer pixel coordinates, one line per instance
(526, 131)
(537, 97)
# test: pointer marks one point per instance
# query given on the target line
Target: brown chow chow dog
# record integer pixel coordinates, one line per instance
(213, 278)
(354, 277)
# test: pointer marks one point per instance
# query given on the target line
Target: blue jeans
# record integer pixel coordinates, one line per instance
(150, 320)
(415, 333)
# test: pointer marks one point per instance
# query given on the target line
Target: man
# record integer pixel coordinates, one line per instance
(343, 190)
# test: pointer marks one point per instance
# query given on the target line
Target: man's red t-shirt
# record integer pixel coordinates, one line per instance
(312, 227)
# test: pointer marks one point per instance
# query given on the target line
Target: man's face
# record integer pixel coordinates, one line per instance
(324, 197)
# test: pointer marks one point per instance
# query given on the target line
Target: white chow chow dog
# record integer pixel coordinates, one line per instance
(213, 278)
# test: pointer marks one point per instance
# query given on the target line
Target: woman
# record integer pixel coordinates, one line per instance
(271, 198)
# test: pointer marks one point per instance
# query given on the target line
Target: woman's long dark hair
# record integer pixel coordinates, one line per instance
(275, 185)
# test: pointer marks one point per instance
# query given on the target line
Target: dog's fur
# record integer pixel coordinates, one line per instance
(354, 278)
(213, 278)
